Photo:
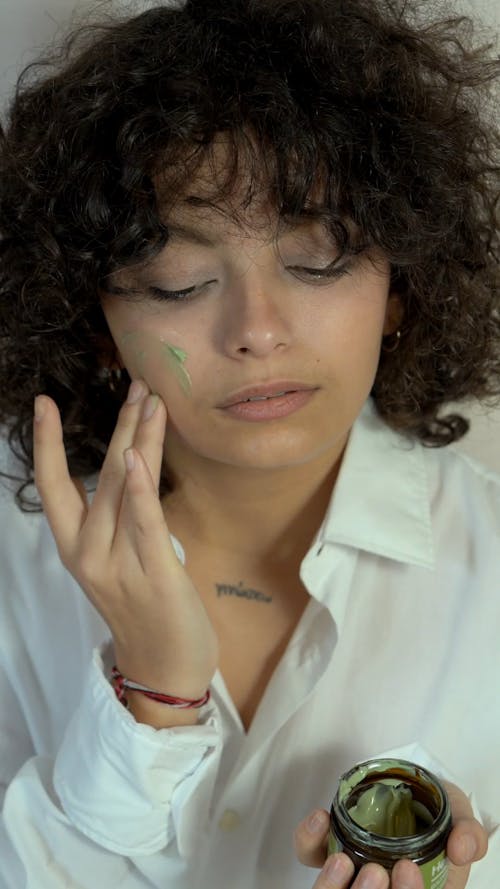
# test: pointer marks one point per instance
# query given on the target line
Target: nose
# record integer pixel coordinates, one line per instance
(255, 319)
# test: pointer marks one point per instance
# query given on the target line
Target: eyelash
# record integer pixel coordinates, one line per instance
(329, 273)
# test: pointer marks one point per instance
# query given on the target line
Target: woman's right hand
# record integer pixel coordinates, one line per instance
(467, 843)
(119, 550)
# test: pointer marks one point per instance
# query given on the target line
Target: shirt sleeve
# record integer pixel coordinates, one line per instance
(116, 789)
(15, 748)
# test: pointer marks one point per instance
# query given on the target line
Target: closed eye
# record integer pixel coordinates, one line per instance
(152, 292)
(179, 295)
(327, 273)
(160, 293)
(324, 274)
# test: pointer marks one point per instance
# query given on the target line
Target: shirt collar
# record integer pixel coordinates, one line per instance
(380, 502)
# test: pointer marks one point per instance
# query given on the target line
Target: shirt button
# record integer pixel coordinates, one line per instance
(229, 820)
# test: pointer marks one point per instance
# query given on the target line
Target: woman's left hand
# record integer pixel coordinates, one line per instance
(468, 842)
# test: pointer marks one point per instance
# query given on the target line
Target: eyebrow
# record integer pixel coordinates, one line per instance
(190, 235)
(176, 233)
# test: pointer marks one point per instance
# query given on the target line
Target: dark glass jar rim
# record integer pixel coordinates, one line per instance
(419, 846)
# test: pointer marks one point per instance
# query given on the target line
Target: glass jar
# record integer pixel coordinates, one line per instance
(387, 809)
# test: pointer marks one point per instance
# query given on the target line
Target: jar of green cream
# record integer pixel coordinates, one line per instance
(387, 809)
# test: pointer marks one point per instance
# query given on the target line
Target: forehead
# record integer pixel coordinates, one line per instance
(213, 226)
(209, 223)
(233, 186)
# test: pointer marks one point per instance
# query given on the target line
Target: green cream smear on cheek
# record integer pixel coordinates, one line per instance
(174, 356)
(175, 359)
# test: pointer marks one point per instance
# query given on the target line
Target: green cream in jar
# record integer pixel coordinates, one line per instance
(389, 809)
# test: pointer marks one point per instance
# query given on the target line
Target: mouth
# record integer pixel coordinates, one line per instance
(265, 392)
(266, 397)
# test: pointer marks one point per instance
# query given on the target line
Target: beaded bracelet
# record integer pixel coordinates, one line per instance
(179, 703)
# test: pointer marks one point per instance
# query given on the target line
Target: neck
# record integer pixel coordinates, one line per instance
(255, 514)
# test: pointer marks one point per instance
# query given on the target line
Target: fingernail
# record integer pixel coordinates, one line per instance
(372, 879)
(468, 848)
(317, 822)
(150, 406)
(135, 392)
(336, 871)
(39, 409)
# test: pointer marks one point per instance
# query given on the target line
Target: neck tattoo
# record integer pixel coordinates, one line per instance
(227, 589)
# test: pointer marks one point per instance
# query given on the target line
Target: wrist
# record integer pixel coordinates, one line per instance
(149, 712)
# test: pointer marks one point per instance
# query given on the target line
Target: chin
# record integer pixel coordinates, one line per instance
(275, 456)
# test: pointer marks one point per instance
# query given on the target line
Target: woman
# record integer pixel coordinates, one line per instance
(270, 228)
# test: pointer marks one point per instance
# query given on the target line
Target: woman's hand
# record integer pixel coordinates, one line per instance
(467, 843)
(119, 550)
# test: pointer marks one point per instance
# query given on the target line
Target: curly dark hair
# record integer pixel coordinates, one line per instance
(396, 114)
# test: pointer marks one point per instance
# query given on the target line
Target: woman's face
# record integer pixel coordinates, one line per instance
(224, 308)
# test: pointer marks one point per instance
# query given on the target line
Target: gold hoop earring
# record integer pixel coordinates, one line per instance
(111, 376)
(395, 346)
(115, 378)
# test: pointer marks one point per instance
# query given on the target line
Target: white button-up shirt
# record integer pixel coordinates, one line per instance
(397, 649)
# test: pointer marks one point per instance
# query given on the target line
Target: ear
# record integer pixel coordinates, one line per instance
(394, 314)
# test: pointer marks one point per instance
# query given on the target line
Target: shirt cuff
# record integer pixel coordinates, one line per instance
(116, 778)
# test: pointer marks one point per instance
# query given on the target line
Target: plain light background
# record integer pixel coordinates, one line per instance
(27, 25)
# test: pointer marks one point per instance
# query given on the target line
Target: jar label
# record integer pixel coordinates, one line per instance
(333, 844)
(434, 872)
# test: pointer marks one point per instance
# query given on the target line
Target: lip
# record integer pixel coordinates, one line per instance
(271, 405)
(265, 390)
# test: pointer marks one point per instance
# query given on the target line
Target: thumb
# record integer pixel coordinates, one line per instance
(468, 840)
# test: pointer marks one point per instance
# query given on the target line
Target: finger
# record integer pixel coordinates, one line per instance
(310, 838)
(105, 507)
(372, 876)
(468, 841)
(339, 870)
(145, 520)
(150, 435)
(149, 440)
(64, 502)
(406, 875)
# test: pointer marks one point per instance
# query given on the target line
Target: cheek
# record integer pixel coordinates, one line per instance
(134, 352)
(162, 363)
(350, 344)
(353, 327)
